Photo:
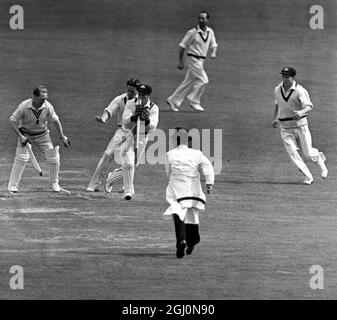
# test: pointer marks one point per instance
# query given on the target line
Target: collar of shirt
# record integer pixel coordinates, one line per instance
(148, 104)
(182, 146)
(30, 106)
(291, 88)
(202, 31)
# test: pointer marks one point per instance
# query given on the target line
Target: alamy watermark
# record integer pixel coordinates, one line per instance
(209, 141)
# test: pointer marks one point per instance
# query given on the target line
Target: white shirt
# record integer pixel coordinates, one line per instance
(295, 99)
(31, 119)
(197, 41)
(118, 105)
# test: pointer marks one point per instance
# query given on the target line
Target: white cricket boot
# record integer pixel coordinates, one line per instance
(56, 187)
(321, 163)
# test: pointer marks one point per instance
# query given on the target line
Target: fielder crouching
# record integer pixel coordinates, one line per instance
(184, 192)
(30, 123)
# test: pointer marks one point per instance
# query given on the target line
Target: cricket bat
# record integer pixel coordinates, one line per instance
(33, 159)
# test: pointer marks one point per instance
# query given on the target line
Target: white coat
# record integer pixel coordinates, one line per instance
(184, 192)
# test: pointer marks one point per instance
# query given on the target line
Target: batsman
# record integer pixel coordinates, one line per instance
(143, 111)
(30, 122)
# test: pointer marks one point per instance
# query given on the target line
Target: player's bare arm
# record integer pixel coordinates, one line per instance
(300, 113)
(15, 127)
(64, 138)
(104, 117)
(181, 58)
(274, 121)
(213, 52)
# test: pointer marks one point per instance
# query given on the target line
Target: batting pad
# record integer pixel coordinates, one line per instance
(53, 160)
(18, 167)
(128, 176)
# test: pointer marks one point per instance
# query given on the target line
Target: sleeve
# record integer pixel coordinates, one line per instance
(128, 112)
(275, 99)
(304, 98)
(18, 114)
(52, 114)
(187, 39)
(206, 168)
(113, 106)
(154, 118)
(213, 42)
(167, 166)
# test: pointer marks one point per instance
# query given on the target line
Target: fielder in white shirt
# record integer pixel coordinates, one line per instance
(184, 192)
(196, 42)
(292, 104)
(116, 106)
(30, 122)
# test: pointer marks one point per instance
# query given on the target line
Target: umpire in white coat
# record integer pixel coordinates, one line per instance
(184, 192)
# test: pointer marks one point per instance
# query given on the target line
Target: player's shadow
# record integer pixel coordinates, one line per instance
(147, 254)
(263, 182)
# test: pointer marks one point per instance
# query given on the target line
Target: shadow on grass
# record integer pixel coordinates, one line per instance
(148, 254)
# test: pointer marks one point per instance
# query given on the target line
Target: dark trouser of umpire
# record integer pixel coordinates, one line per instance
(186, 234)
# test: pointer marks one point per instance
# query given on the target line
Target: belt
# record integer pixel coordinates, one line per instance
(25, 131)
(195, 56)
(288, 119)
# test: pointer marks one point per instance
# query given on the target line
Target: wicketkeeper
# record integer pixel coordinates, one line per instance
(184, 192)
(116, 107)
(148, 113)
(30, 123)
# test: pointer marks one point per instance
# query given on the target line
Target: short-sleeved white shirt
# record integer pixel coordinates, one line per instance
(295, 99)
(34, 120)
(197, 41)
(118, 105)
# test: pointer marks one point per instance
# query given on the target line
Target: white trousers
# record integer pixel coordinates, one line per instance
(193, 86)
(299, 139)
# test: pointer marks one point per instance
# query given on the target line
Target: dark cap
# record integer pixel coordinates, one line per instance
(289, 71)
(144, 88)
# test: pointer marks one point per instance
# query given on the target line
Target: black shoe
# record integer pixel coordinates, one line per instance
(128, 196)
(189, 250)
(181, 249)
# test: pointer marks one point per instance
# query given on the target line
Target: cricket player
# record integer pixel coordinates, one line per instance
(292, 105)
(148, 112)
(184, 192)
(196, 42)
(30, 122)
(116, 106)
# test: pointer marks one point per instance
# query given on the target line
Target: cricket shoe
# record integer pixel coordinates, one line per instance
(92, 189)
(197, 107)
(308, 180)
(172, 105)
(13, 189)
(189, 250)
(321, 163)
(181, 249)
(56, 187)
(128, 196)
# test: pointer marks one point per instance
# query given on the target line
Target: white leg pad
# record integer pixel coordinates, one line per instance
(18, 167)
(128, 177)
(53, 161)
(114, 176)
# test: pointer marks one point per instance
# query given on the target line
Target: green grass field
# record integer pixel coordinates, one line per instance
(262, 229)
